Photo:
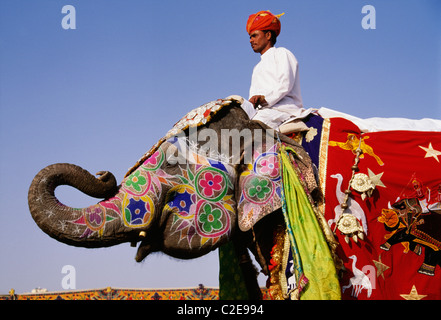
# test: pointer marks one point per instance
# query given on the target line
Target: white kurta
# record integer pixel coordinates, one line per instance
(276, 77)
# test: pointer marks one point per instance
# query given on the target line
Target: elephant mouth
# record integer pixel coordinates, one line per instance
(143, 251)
(149, 243)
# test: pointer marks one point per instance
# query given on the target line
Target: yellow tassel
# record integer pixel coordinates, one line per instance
(263, 14)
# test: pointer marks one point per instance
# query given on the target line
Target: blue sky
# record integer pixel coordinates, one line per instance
(101, 95)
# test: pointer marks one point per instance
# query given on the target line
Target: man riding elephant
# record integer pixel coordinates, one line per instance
(275, 85)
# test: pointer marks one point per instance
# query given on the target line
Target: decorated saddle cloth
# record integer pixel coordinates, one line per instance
(394, 194)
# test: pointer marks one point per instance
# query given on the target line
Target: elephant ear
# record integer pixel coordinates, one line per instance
(259, 191)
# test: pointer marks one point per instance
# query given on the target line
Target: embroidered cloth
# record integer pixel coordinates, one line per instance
(400, 255)
(311, 254)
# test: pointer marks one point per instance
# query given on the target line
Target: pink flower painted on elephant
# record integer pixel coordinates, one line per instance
(269, 166)
(210, 183)
(94, 217)
(154, 160)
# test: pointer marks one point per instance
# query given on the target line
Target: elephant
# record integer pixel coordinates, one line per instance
(420, 229)
(182, 198)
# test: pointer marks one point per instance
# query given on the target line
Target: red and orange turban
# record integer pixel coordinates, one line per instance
(264, 20)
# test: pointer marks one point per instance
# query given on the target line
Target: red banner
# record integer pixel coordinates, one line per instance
(395, 195)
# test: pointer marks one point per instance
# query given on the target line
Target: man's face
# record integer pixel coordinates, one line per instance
(260, 41)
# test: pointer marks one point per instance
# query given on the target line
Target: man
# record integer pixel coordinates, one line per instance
(275, 87)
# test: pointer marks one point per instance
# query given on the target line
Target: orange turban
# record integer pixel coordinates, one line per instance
(264, 20)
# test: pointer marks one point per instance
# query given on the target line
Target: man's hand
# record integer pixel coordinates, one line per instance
(258, 100)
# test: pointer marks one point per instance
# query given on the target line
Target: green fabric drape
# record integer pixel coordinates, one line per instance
(307, 237)
(231, 281)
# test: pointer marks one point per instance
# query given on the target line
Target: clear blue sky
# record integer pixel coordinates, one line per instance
(101, 95)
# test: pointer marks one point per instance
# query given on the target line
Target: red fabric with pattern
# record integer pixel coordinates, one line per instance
(403, 165)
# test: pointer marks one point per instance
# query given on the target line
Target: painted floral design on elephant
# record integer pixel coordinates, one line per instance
(267, 164)
(210, 219)
(135, 207)
(199, 196)
(137, 184)
(261, 187)
(138, 211)
(202, 204)
(213, 220)
(210, 183)
(93, 219)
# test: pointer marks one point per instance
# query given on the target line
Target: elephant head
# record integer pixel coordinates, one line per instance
(183, 197)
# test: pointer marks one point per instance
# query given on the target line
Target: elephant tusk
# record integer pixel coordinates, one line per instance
(142, 235)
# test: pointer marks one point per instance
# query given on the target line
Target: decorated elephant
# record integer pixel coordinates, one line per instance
(183, 197)
(409, 224)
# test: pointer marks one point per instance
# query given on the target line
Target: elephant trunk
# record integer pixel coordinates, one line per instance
(79, 227)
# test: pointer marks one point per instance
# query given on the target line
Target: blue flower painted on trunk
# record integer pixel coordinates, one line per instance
(135, 211)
